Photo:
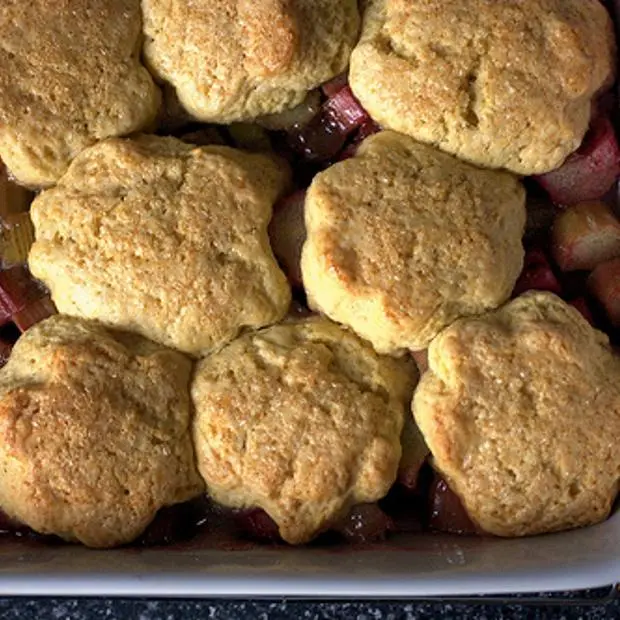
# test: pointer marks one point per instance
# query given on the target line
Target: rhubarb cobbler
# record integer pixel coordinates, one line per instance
(307, 272)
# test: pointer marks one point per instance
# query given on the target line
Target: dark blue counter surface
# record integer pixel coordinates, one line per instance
(121, 609)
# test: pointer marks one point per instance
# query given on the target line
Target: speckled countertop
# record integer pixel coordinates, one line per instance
(87, 609)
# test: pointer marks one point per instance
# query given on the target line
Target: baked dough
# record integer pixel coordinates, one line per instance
(236, 60)
(302, 420)
(70, 75)
(404, 239)
(163, 238)
(94, 432)
(521, 411)
(500, 84)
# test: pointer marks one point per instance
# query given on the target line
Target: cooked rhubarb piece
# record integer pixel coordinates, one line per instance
(421, 360)
(7, 525)
(287, 232)
(604, 284)
(34, 313)
(588, 173)
(250, 137)
(446, 511)
(325, 135)
(538, 279)
(258, 525)
(582, 306)
(346, 111)
(540, 215)
(604, 104)
(320, 140)
(299, 310)
(205, 136)
(367, 128)
(365, 523)
(17, 237)
(335, 85)
(173, 524)
(348, 151)
(17, 290)
(535, 257)
(5, 352)
(537, 275)
(414, 454)
(167, 527)
(298, 117)
(13, 198)
(585, 235)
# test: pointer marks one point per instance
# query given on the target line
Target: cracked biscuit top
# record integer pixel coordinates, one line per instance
(500, 84)
(302, 420)
(94, 432)
(521, 411)
(234, 60)
(70, 75)
(163, 238)
(403, 239)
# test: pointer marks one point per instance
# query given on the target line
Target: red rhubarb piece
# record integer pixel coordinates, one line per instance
(335, 85)
(414, 454)
(421, 360)
(257, 524)
(604, 284)
(537, 275)
(540, 215)
(295, 118)
(446, 511)
(34, 313)
(346, 111)
(326, 134)
(17, 290)
(368, 128)
(5, 352)
(585, 235)
(582, 306)
(365, 523)
(348, 152)
(588, 173)
(320, 140)
(287, 232)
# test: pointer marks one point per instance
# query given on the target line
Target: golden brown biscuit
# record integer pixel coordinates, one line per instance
(403, 239)
(70, 75)
(521, 411)
(302, 420)
(94, 432)
(235, 60)
(500, 84)
(163, 238)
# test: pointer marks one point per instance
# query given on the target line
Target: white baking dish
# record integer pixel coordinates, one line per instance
(416, 565)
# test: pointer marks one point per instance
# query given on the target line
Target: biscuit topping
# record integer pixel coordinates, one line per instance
(521, 411)
(302, 420)
(94, 432)
(500, 84)
(237, 60)
(70, 75)
(163, 238)
(403, 239)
